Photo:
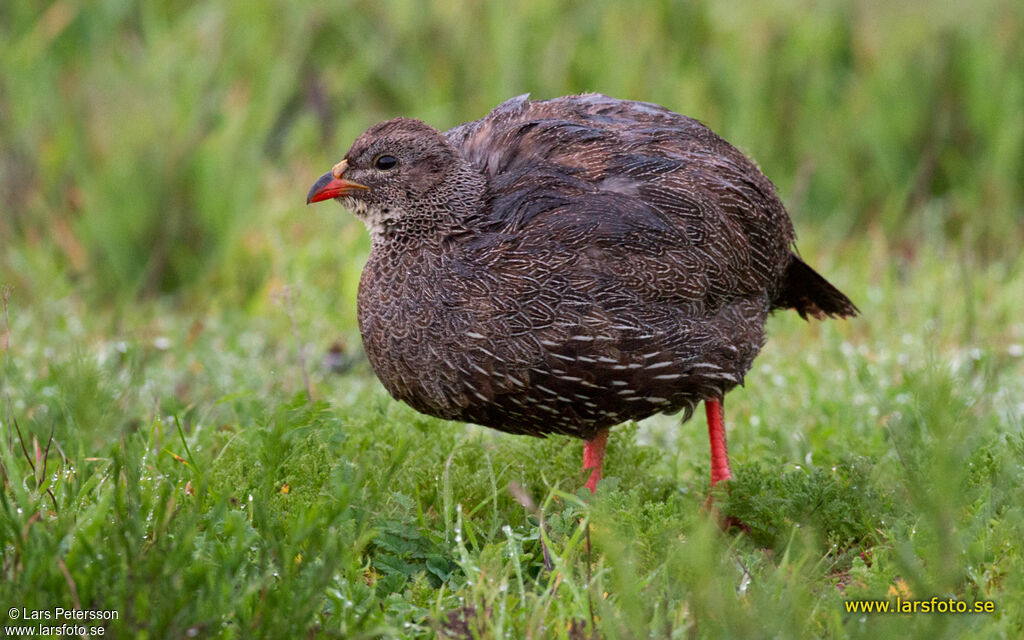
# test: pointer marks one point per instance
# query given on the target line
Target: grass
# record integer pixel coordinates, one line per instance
(194, 487)
(161, 280)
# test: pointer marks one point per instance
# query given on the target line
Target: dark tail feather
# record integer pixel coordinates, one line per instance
(806, 291)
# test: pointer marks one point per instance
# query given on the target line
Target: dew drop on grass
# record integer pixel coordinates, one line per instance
(744, 583)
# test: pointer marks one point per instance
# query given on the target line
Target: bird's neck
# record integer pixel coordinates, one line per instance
(438, 215)
(468, 190)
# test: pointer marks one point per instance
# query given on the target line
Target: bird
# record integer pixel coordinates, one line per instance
(563, 266)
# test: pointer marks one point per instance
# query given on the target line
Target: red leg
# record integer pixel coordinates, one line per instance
(593, 457)
(716, 432)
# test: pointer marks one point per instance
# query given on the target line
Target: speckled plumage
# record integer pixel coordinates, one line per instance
(562, 266)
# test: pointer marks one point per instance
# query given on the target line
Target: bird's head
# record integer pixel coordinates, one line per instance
(401, 176)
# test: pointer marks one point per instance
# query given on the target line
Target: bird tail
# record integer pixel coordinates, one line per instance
(805, 290)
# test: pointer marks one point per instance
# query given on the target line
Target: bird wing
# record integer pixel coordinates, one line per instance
(646, 196)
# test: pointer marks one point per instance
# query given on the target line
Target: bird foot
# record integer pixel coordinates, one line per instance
(725, 523)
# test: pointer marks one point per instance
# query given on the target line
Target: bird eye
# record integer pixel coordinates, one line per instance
(385, 162)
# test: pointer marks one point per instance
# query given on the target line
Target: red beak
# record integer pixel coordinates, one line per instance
(332, 185)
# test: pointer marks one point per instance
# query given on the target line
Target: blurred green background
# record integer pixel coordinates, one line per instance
(155, 148)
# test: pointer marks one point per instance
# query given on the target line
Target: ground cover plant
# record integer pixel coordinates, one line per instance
(192, 438)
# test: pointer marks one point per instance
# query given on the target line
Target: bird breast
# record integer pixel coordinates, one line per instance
(533, 341)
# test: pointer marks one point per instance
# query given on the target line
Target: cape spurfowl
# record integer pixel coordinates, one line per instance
(561, 266)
